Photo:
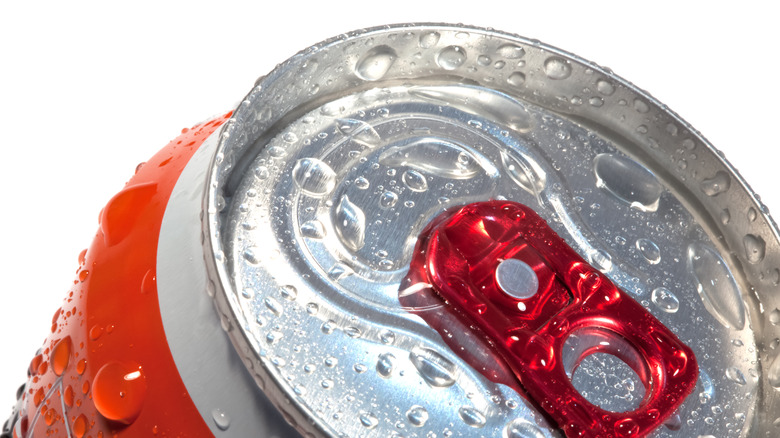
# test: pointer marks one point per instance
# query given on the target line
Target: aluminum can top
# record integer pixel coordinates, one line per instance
(336, 161)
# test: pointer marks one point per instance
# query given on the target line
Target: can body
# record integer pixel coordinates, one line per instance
(264, 262)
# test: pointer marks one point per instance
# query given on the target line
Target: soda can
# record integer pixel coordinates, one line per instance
(390, 236)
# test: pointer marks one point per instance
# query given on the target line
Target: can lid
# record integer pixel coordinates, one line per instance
(336, 161)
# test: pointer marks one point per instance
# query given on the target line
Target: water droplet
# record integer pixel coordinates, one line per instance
(429, 39)
(434, 368)
(289, 292)
(626, 428)
(368, 420)
(755, 248)
(510, 51)
(80, 426)
(471, 416)
(516, 79)
(774, 317)
(628, 181)
(375, 63)
(600, 260)
(415, 181)
(353, 332)
(221, 419)
(604, 87)
(388, 200)
(314, 177)
(524, 171)
(716, 286)
(360, 368)
(313, 229)
(665, 300)
(725, 216)
(596, 101)
(312, 308)
(773, 373)
(649, 250)
(362, 183)
(387, 337)
(717, 184)
(118, 391)
(252, 255)
(435, 156)
(384, 364)
(60, 355)
(274, 306)
(350, 224)
(752, 215)
(123, 210)
(328, 326)
(735, 376)
(340, 271)
(359, 131)
(522, 428)
(327, 383)
(277, 151)
(557, 68)
(641, 106)
(451, 57)
(417, 415)
(262, 173)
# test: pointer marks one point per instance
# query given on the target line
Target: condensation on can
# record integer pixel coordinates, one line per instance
(315, 191)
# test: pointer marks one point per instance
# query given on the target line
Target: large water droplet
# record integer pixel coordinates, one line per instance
(717, 184)
(524, 171)
(557, 68)
(433, 367)
(628, 181)
(221, 419)
(60, 355)
(384, 364)
(516, 79)
(313, 229)
(350, 223)
(415, 181)
(716, 286)
(471, 416)
(429, 39)
(118, 391)
(120, 214)
(359, 131)
(649, 250)
(451, 57)
(314, 177)
(522, 428)
(375, 63)
(437, 157)
(665, 300)
(511, 51)
(755, 248)
(774, 317)
(417, 415)
(605, 87)
(773, 373)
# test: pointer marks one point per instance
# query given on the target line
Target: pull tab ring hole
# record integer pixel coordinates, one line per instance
(606, 369)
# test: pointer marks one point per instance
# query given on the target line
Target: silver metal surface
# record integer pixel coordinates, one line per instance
(517, 279)
(217, 381)
(334, 163)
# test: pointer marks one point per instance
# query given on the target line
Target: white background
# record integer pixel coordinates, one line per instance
(87, 91)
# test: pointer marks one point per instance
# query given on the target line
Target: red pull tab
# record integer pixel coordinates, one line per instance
(502, 268)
